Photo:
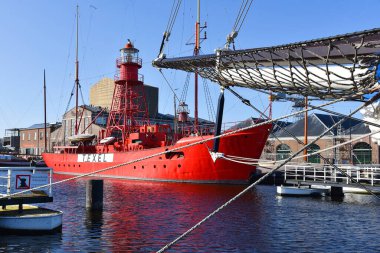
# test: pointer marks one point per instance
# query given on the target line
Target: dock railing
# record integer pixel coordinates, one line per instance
(18, 179)
(330, 175)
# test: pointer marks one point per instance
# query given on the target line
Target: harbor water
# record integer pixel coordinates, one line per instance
(145, 216)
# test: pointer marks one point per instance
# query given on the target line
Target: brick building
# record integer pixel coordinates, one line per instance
(32, 139)
(88, 114)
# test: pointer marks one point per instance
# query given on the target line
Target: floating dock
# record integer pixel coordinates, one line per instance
(338, 179)
(301, 191)
(16, 195)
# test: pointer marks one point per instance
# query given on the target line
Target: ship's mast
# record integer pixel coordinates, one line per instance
(305, 130)
(76, 77)
(45, 124)
(196, 52)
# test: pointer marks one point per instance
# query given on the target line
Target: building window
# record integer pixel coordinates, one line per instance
(41, 135)
(313, 158)
(72, 127)
(65, 128)
(85, 124)
(362, 153)
(23, 136)
(283, 152)
(28, 136)
(35, 136)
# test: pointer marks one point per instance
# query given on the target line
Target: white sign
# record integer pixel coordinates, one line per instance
(23, 180)
(95, 158)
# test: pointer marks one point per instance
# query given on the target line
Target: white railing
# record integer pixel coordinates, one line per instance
(329, 174)
(17, 179)
(128, 76)
(128, 59)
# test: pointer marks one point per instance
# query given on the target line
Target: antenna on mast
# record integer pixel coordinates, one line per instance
(76, 77)
(196, 52)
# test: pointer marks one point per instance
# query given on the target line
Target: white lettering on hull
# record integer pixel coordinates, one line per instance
(95, 158)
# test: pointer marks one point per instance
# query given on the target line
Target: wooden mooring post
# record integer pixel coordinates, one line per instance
(336, 192)
(94, 194)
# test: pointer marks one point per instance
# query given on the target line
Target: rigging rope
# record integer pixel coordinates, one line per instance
(167, 82)
(209, 102)
(185, 88)
(169, 27)
(250, 161)
(243, 11)
(71, 96)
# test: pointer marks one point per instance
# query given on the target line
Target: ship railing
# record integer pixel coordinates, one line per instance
(329, 174)
(204, 129)
(128, 59)
(234, 125)
(18, 179)
(128, 76)
(67, 149)
(207, 129)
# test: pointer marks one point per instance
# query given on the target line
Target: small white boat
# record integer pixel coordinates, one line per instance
(107, 140)
(300, 191)
(32, 218)
(81, 137)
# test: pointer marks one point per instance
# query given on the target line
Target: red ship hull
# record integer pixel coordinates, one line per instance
(190, 164)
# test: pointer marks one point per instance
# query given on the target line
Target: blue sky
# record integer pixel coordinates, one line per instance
(40, 34)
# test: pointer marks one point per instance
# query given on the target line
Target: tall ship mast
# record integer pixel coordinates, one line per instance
(196, 52)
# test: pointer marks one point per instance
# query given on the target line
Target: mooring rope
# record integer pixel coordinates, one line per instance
(250, 161)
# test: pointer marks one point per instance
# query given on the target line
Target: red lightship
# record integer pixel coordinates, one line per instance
(130, 136)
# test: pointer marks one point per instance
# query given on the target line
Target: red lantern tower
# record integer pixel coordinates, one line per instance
(128, 110)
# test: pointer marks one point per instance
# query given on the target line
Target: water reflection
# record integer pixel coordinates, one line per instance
(144, 216)
(30, 243)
